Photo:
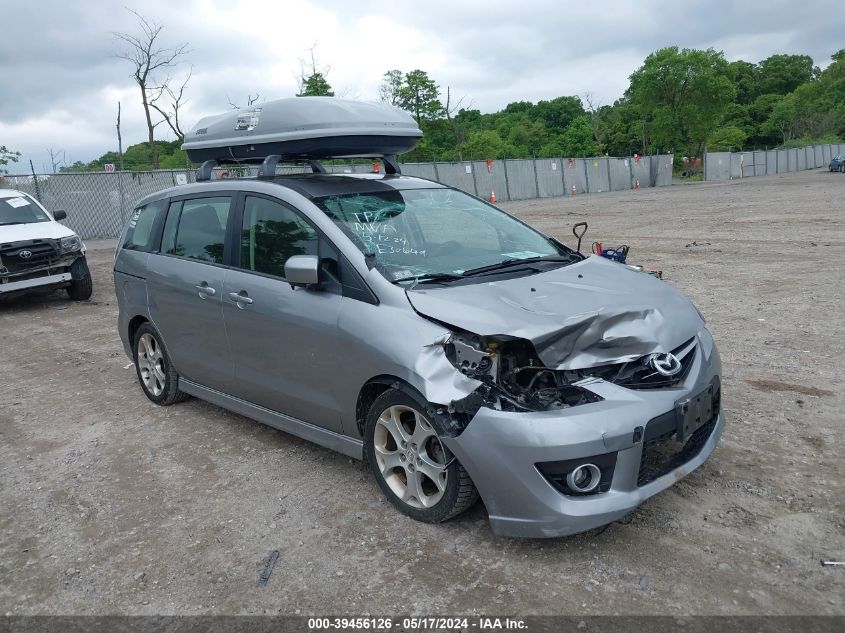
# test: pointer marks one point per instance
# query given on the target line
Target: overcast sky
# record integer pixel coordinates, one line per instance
(61, 82)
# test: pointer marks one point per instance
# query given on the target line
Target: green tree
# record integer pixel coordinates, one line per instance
(782, 74)
(7, 156)
(682, 95)
(726, 139)
(487, 144)
(315, 85)
(420, 96)
(391, 84)
(744, 76)
(578, 139)
(313, 80)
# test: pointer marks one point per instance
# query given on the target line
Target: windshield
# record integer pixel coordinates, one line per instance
(429, 232)
(21, 210)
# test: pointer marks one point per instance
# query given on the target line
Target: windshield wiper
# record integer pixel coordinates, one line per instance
(11, 223)
(508, 263)
(429, 277)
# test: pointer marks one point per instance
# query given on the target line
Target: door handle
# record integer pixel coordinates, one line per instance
(205, 290)
(239, 298)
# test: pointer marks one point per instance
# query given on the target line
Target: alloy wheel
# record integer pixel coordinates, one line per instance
(151, 364)
(410, 457)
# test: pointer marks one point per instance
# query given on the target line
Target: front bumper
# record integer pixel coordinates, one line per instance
(34, 282)
(500, 450)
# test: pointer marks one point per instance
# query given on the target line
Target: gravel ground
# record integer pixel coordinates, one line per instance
(113, 505)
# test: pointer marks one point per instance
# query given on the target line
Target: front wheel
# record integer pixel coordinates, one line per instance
(411, 465)
(81, 286)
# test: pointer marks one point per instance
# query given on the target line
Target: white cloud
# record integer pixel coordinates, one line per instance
(62, 82)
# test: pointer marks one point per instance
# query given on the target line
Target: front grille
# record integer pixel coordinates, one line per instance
(639, 374)
(43, 252)
(663, 453)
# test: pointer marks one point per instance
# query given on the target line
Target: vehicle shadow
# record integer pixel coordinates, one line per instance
(34, 300)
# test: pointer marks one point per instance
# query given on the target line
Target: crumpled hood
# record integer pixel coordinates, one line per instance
(33, 231)
(587, 314)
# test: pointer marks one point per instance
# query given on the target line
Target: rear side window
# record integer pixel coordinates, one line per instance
(139, 234)
(196, 229)
(271, 233)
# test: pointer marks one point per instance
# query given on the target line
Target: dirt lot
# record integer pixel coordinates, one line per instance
(113, 505)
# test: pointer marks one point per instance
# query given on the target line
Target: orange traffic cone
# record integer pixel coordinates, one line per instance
(574, 191)
(637, 186)
(493, 197)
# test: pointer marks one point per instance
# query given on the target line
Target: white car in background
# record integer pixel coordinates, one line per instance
(36, 252)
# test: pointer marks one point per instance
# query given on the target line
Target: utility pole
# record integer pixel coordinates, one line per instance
(119, 140)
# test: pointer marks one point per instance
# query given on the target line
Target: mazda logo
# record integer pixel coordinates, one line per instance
(25, 254)
(665, 364)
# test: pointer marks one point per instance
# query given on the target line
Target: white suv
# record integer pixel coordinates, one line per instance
(38, 252)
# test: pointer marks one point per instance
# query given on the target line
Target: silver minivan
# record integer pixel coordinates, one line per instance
(458, 351)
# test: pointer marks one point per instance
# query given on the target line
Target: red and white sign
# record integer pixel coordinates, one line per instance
(109, 168)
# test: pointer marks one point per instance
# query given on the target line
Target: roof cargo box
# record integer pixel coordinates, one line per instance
(303, 127)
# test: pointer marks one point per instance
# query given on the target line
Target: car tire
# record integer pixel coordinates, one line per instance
(81, 286)
(156, 374)
(413, 468)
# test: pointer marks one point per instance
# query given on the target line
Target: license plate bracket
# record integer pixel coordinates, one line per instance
(694, 412)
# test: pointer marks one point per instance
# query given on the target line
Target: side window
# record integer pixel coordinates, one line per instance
(271, 233)
(139, 233)
(196, 229)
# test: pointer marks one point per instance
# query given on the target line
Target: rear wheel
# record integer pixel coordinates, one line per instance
(411, 465)
(156, 374)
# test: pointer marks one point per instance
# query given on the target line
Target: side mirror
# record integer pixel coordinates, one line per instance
(302, 270)
(59, 215)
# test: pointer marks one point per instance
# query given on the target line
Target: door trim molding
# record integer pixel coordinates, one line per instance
(316, 434)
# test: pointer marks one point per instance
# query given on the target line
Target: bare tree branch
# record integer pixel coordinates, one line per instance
(148, 57)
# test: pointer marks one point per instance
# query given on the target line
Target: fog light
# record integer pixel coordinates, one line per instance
(585, 478)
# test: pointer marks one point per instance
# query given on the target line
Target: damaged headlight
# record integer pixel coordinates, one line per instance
(71, 244)
(513, 376)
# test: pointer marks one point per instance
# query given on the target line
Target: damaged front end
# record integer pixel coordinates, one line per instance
(513, 378)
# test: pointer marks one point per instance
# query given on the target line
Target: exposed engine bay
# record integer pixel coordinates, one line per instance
(514, 378)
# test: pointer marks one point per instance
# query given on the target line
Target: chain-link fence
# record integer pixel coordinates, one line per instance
(98, 204)
(730, 165)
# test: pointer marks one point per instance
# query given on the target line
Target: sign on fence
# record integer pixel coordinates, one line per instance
(108, 168)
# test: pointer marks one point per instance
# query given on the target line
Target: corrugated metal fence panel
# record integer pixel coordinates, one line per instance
(420, 170)
(598, 180)
(826, 154)
(490, 180)
(549, 177)
(792, 160)
(456, 175)
(717, 166)
(771, 162)
(783, 161)
(575, 175)
(736, 159)
(748, 165)
(663, 175)
(641, 172)
(801, 159)
(620, 173)
(521, 183)
(818, 156)
(759, 163)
